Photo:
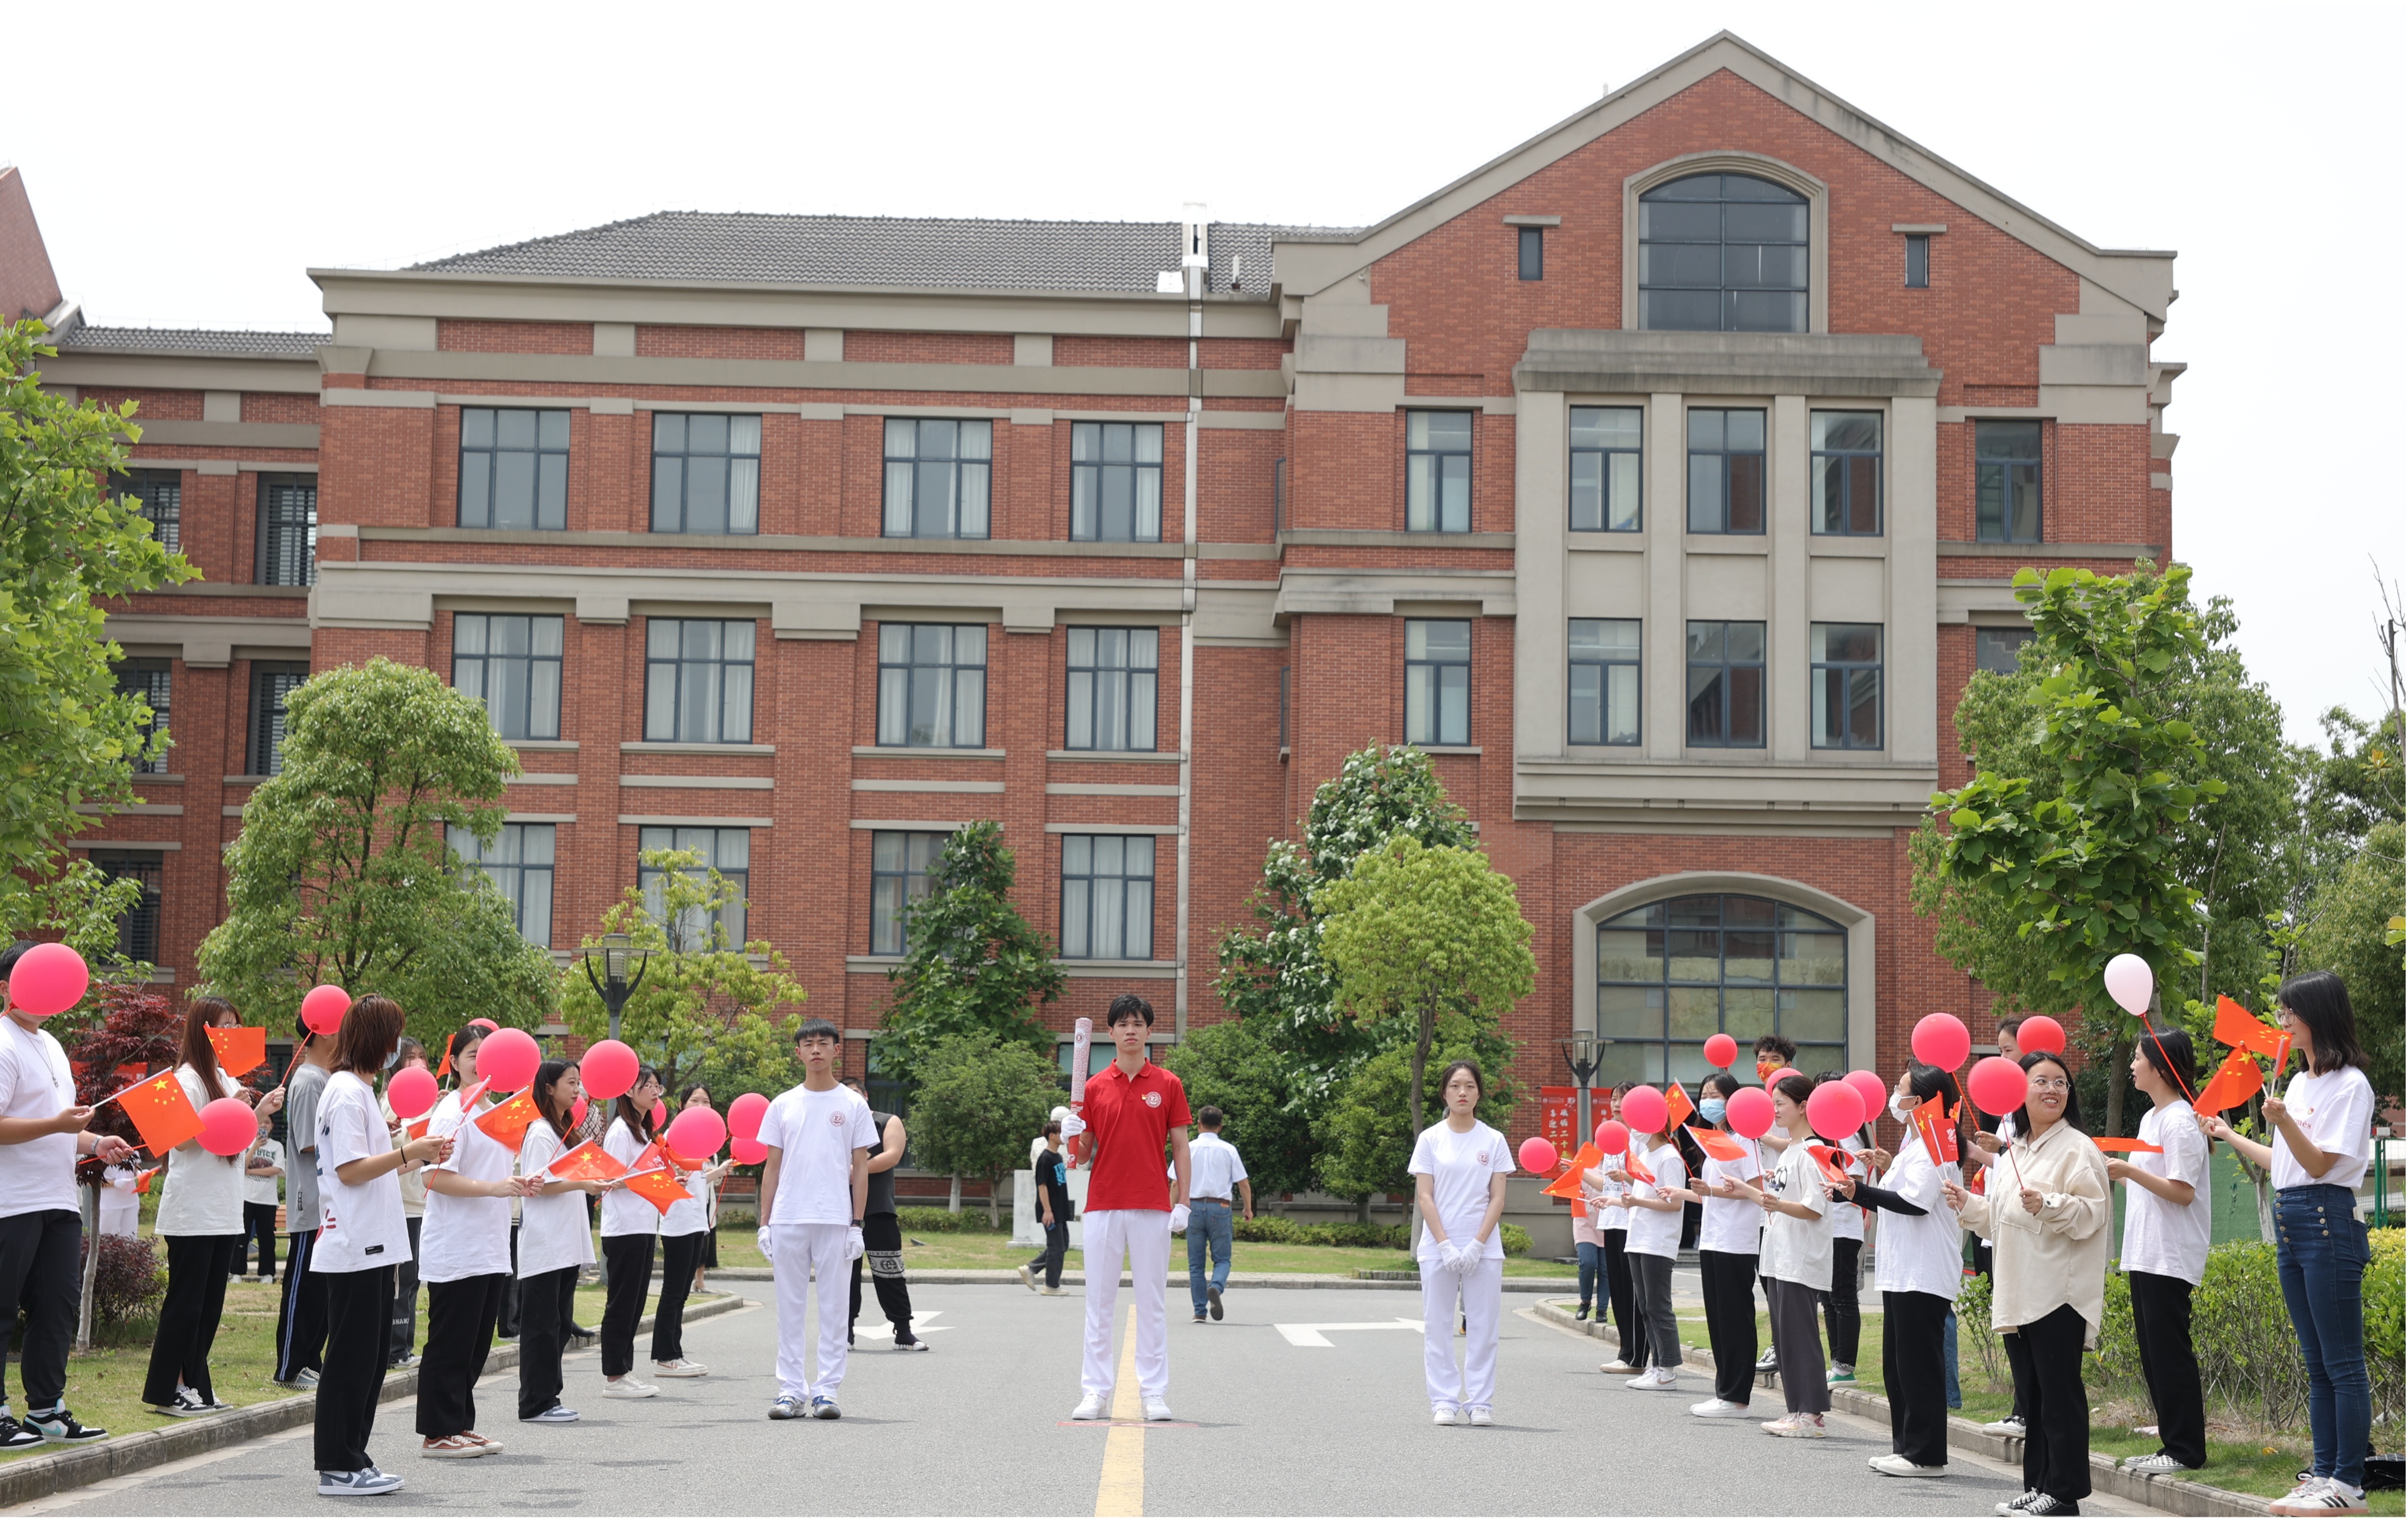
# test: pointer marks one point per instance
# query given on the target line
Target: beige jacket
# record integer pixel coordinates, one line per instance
(2059, 1256)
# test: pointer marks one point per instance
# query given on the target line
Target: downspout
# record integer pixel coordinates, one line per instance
(1197, 272)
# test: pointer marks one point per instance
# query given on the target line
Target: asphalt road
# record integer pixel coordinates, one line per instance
(980, 1424)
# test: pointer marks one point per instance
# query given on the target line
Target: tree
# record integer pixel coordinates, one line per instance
(972, 963)
(1230, 1066)
(135, 1026)
(1365, 1138)
(979, 1101)
(705, 1014)
(2348, 936)
(66, 544)
(344, 872)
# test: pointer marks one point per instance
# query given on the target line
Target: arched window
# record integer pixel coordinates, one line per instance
(1672, 974)
(1722, 252)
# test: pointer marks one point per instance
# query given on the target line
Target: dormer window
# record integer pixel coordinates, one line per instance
(1722, 252)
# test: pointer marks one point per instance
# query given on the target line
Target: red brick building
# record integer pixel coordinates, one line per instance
(1663, 478)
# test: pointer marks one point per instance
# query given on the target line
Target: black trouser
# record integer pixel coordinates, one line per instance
(541, 1313)
(301, 1321)
(1914, 1372)
(2161, 1323)
(1842, 1319)
(680, 1257)
(359, 1315)
(460, 1319)
(2057, 1422)
(1983, 1259)
(627, 1261)
(1730, 1284)
(258, 1226)
(1652, 1279)
(39, 1255)
(1622, 1293)
(509, 1325)
(405, 1297)
(1057, 1243)
(188, 1319)
(881, 1245)
(2018, 1367)
(1797, 1345)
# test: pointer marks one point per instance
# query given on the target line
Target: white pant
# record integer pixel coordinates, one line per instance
(1482, 1290)
(1145, 1235)
(797, 1252)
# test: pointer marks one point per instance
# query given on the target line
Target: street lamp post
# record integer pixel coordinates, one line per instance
(613, 984)
(1579, 1057)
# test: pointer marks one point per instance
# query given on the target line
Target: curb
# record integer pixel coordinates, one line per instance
(2167, 1494)
(43, 1475)
(1249, 1281)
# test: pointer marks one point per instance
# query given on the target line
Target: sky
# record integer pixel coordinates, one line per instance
(254, 142)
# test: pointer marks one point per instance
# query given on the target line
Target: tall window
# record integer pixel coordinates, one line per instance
(1918, 261)
(1725, 472)
(288, 530)
(1605, 680)
(519, 864)
(1534, 253)
(1999, 650)
(1116, 482)
(727, 850)
(2006, 482)
(1847, 469)
(137, 931)
(1727, 685)
(512, 664)
(270, 684)
(1438, 682)
(706, 473)
(1671, 975)
(150, 680)
(1438, 472)
(1722, 252)
(900, 863)
(938, 477)
(697, 682)
(1107, 897)
(1605, 468)
(158, 495)
(1845, 663)
(931, 685)
(513, 468)
(1111, 687)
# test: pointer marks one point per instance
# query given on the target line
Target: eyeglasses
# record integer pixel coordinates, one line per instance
(2052, 1084)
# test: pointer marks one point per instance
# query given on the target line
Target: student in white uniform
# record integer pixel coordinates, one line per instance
(685, 1236)
(1608, 1208)
(120, 1205)
(1795, 1259)
(814, 1192)
(555, 1242)
(361, 1236)
(1654, 1245)
(2323, 1127)
(1842, 1314)
(631, 1228)
(1459, 1166)
(263, 1173)
(463, 1245)
(1727, 1237)
(2166, 1226)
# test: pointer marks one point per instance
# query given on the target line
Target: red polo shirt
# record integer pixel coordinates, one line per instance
(1129, 1123)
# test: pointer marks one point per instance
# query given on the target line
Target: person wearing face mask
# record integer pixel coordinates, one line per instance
(1842, 1315)
(1775, 1057)
(1727, 1240)
(1797, 1261)
(1654, 1246)
(1609, 1209)
(1459, 1166)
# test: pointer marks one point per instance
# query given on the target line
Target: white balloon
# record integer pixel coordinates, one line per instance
(2129, 983)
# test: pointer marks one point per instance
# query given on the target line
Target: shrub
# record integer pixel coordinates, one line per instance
(1973, 1319)
(1516, 1237)
(127, 1284)
(939, 1221)
(1350, 1236)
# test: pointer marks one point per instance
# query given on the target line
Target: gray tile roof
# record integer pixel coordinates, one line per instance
(185, 340)
(1120, 256)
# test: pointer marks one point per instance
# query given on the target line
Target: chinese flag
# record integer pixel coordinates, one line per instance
(1834, 1162)
(162, 1112)
(2128, 1146)
(1568, 1185)
(1636, 1171)
(507, 1125)
(2236, 1080)
(239, 1051)
(586, 1162)
(1938, 1131)
(2236, 1027)
(1717, 1145)
(658, 1187)
(1677, 1103)
(418, 1129)
(142, 1181)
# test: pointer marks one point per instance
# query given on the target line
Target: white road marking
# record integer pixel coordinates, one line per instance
(1308, 1336)
(921, 1322)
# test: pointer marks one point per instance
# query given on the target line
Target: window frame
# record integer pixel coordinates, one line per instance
(959, 462)
(1434, 701)
(902, 924)
(1727, 294)
(2008, 465)
(1130, 884)
(1607, 494)
(512, 876)
(530, 687)
(1531, 253)
(730, 479)
(1824, 673)
(1726, 469)
(1918, 260)
(265, 743)
(1850, 460)
(161, 493)
(540, 477)
(1655, 920)
(1990, 637)
(275, 556)
(137, 929)
(157, 688)
(719, 661)
(1438, 514)
(1727, 665)
(1607, 668)
(1129, 675)
(741, 875)
(1092, 472)
(953, 668)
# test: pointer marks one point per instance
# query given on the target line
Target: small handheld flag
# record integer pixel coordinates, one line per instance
(1568, 1185)
(507, 1125)
(658, 1187)
(2236, 1028)
(586, 1162)
(2128, 1146)
(161, 1112)
(2235, 1081)
(1719, 1145)
(239, 1051)
(1677, 1106)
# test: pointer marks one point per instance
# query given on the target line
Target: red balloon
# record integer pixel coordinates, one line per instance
(608, 1070)
(47, 980)
(1613, 1139)
(2041, 1036)
(1721, 1052)
(749, 1151)
(1537, 1155)
(508, 1060)
(1998, 1085)
(228, 1125)
(323, 1009)
(1645, 1109)
(1870, 1088)
(487, 1023)
(697, 1132)
(1749, 1112)
(1942, 1040)
(1835, 1110)
(411, 1091)
(744, 1116)
(659, 1115)
(577, 1111)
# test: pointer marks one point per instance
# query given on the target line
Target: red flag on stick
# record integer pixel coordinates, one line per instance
(2236, 1080)
(143, 1179)
(507, 1125)
(1568, 1185)
(658, 1187)
(1677, 1106)
(2237, 1027)
(161, 1112)
(1937, 1133)
(1717, 1144)
(2128, 1146)
(1834, 1163)
(1636, 1171)
(586, 1162)
(239, 1051)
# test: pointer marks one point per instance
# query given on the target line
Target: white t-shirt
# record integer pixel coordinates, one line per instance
(1919, 1254)
(362, 1227)
(1847, 1218)
(37, 1175)
(1653, 1232)
(624, 1213)
(692, 1214)
(2158, 1237)
(1797, 1249)
(262, 1188)
(120, 1205)
(465, 1235)
(553, 1231)
(203, 1192)
(2336, 1110)
(1608, 1220)
(816, 1134)
(1731, 1225)
(1459, 1166)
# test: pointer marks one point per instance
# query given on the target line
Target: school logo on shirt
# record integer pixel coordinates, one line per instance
(1153, 1098)
(836, 1119)
(1480, 1158)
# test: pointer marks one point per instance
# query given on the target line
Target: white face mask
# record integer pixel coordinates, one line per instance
(1900, 1107)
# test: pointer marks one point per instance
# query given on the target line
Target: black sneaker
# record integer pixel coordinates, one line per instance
(2049, 1507)
(907, 1342)
(1212, 1293)
(16, 1435)
(59, 1426)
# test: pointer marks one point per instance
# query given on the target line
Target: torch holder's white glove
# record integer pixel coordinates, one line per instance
(1072, 1126)
(1179, 1218)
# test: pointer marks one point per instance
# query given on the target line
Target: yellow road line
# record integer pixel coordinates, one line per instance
(1120, 1493)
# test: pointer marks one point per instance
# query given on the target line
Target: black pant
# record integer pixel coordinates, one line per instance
(1622, 1293)
(1652, 1279)
(881, 1245)
(2161, 1323)
(509, 1327)
(301, 1322)
(542, 1311)
(2019, 1367)
(258, 1226)
(1729, 1283)
(188, 1319)
(2056, 1424)
(1842, 1319)
(359, 1314)
(680, 1256)
(405, 1297)
(1057, 1242)
(460, 1319)
(1914, 1372)
(627, 1261)
(40, 1253)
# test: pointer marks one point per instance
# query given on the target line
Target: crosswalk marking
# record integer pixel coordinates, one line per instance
(1308, 1336)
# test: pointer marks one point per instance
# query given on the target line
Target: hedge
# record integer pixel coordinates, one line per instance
(1352, 1236)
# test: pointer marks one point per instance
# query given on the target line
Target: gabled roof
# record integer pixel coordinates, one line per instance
(185, 340)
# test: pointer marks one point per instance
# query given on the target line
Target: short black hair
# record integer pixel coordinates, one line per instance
(1128, 1004)
(2008, 1026)
(2321, 1003)
(2168, 1053)
(1775, 1044)
(817, 1028)
(855, 1081)
(1208, 1117)
(9, 956)
(1052, 1128)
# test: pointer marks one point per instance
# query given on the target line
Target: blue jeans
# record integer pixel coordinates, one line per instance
(1207, 1228)
(1948, 1357)
(2320, 1253)
(1592, 1260)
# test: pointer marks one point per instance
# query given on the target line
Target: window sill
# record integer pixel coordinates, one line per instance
(907, 751)
(1110, 755)
(543, 746)
(1371, 537)
(2052, 550)
(142, 779)
(248, 779)
(1847, 545)
(1472, 749)
(1727, 543)
(1580, 541)
(1119, 969)
(696, 749)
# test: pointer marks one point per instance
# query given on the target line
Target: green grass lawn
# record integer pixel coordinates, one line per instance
(995, 1251)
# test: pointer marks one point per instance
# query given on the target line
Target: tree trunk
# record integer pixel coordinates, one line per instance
(953, 1202)
(91, 1209)
(1413, 1124)
(2119, 1055)
(1362, 1208)
(994, 1188)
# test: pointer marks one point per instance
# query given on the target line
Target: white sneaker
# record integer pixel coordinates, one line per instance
(1482, 1417)
(1616, 1368)
(679, 1367)
(1028, 1277)
(627, 1388)
(787, 1406)
(2011, 1426)
(1445, 1417)
(2159, 1464)
(1799, 1425)
(1657, 1380)
(1718, 1408)
(1899, 1465)
(1157, 1410)
(1090, 1407)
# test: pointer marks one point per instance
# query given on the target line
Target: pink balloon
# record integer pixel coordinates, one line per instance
(749, 1151)
(323, 1009)
(697, 1132)
(1722, 1050)
(1942, 1040)
(2041, 1036)
(1749, 1112)
(577, 1111)
(1613, 1139)
(744, 1116)
(411, 1091)
(608, 1070)
(48, 979)
(1835, 1110)
(228, 1125)
(1998, 1085)
(487, 1023)
(1645, 1109)
(659, 1115)
(2129, 983)
(1537, 1155)
(1868, 1086)
(508, 1060)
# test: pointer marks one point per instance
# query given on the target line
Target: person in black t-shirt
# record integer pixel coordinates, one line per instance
(881, 1232)
(1053, 1189)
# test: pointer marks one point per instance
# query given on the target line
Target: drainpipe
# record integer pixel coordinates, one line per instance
(1195, 264)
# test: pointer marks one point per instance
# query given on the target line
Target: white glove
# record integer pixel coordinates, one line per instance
(852, 1244)
(1072, 1126)
(1464, 1256)
(1179, 1218)
(762, 1237)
